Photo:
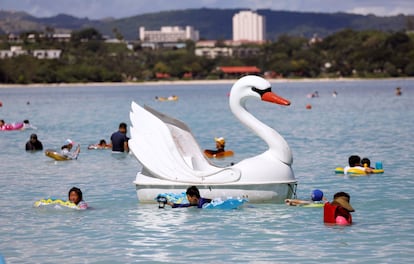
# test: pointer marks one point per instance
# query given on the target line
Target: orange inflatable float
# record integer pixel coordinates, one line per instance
(218, 155)
(219, 152)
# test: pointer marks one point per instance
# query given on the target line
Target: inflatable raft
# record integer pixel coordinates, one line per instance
(313, 205)
(56, 204)
(228, 203)
(169, 98)
(220, 155)
(357, 172)
(304, 203)
(12, 126)
(216, 203)
(59, 157)
(97, 146)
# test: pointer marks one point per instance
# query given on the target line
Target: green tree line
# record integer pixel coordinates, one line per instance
(87, 58)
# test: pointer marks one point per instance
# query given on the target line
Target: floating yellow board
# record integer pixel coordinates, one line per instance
(313, 205)
(357, 172)
(55, 202)
(302, 203)
(59, 157)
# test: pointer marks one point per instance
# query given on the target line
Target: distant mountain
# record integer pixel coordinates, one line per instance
(67, 21)
(15, 22)
(211, 23)
(217, 23)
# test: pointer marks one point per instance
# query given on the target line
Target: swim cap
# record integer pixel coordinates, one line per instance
(317, 195)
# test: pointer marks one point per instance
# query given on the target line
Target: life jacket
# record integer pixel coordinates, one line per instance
(329, 214)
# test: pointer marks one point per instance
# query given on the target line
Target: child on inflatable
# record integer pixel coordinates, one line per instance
(366, 163)
(219, 152)
(339, 210)
(66, 150)
(194, 198)
(75, 196)
(220, 144)
(101, 145)
(75, 201)
(316, 198)
(27, 125)
(354, 162)
(11, 126)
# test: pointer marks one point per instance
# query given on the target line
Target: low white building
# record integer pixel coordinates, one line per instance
(62, 37)
(14, 51)
(168, 34)
(214, 52)
(47, 54)
(39, 54)
(227, 48)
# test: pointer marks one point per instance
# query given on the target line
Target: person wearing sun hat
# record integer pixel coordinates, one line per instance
(66, 149)
(339, 210)
(220, 144)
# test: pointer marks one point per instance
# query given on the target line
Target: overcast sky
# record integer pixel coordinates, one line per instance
(95, 9)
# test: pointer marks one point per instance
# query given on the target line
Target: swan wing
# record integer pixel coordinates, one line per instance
(167, 149)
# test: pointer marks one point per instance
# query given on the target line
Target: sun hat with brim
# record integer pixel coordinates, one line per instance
(344, 202)
(220, 140)
(69, 142)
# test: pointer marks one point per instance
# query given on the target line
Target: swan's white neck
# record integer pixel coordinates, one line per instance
(278, 146)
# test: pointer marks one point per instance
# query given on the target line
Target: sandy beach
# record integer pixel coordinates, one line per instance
(184, 82)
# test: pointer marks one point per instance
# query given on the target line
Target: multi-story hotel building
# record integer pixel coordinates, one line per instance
(249, 26)
(168, 34)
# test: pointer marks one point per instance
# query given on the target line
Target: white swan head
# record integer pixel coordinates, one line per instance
(255, 87)
(252, 86)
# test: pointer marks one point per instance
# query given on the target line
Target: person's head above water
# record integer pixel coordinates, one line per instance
(366, 161)
(193, 194)
(193, 191)
(354, 160)
(343, 199)
(317, 195)
(220, 142)
(75, 195)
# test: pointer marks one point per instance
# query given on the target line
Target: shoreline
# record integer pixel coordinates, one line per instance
(188, 82)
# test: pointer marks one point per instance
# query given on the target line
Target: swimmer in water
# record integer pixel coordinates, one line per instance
(75, 196)
(316, 197)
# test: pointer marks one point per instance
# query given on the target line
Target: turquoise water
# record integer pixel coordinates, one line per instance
(366, 118)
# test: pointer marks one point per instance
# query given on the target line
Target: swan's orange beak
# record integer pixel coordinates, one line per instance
(273, 98)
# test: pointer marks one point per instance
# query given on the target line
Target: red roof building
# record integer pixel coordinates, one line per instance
(161, 75)
(239, 69)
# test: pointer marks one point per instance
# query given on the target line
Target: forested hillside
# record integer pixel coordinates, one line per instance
(86, 58)
(212, 23)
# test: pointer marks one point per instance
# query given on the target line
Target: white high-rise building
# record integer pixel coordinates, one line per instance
(249, 26)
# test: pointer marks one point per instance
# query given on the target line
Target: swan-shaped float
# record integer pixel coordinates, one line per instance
(172, 160)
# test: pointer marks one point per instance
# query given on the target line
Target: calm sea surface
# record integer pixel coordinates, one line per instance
(366, 118)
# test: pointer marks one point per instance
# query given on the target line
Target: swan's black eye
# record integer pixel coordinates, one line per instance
(261, 92)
